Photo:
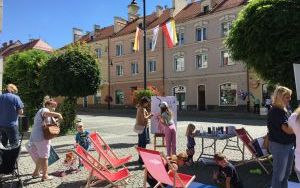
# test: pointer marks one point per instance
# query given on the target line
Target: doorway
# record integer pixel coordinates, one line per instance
(201, 98)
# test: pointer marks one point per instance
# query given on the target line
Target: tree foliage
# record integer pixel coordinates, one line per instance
(73, 73)
(23, 69)
(266, 37)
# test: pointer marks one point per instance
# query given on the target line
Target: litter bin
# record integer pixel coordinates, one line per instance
(23, 124)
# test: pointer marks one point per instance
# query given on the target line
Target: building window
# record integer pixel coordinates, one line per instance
(119, 95)
(119, 70)
(225, 58)
(149, 46)
(206, 9)
(98, 52)
(201, 61)
(131, 47)
(228, 94)
(225, 27)
(119, 50)
(134, 68)
(201, 34)
(180, 37)
(152, 65)
(179, 63)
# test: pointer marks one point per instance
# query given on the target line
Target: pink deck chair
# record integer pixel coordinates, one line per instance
(247, 140)
(100, 172)
(106, 152)
(153, 161)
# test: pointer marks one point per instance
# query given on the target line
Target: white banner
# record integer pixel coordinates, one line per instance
(155, 110)
(1, 73)
(297, 79)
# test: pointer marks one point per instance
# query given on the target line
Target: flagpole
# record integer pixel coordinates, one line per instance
(145, 45)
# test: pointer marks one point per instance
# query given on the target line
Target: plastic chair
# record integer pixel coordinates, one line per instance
(105, 151)
(100, 172)
(153, 161)
(247, 140)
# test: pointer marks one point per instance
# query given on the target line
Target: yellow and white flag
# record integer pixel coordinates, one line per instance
(136, 45)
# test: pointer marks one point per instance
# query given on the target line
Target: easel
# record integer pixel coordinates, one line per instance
(159, 135)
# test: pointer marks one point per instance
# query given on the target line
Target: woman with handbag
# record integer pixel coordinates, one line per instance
(39, 145)
(141, 124)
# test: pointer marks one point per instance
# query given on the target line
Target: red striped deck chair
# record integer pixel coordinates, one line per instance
(247, 140)
(99, 172)
(153, 161)
(106, 152)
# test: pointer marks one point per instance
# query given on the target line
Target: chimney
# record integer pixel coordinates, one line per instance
(132, 17)
(96, 27)
(208, 4)
(77, 34)
(178, 5)
(119, 23)
(159, 11)
(4, 44)
(11, 42)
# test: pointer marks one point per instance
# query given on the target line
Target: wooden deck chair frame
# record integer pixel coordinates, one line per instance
(109, 152)
(97, 167)
(169, 172)
(252, 149)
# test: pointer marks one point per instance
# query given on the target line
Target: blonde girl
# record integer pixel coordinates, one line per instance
(282, 139)
(190, 143)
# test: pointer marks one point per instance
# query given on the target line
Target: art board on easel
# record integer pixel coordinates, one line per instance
(155, 110)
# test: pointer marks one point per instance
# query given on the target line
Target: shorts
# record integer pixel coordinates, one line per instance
(39, 149)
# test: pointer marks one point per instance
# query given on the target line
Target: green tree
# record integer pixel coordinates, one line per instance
(23, 69)
(266, 37)
(73, 73)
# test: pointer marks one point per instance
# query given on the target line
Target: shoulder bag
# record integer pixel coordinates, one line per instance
(51, 130)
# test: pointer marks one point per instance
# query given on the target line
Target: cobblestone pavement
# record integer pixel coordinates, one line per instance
(117, 131)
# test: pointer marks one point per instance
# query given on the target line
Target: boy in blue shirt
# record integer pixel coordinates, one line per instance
(82, 138)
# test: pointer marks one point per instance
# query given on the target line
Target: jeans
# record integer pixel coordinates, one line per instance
(10, 134)
(143, 140)
(170, 136)
(283, 158)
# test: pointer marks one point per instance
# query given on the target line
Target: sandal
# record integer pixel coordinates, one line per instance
(48, 179)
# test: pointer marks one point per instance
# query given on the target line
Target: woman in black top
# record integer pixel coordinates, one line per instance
(282, 139)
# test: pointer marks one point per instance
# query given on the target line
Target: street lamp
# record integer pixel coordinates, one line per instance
(133, 8)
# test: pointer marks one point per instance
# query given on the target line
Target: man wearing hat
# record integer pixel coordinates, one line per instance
(11, 107)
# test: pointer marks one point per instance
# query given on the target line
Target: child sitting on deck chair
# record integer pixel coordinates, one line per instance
(175, 160)
(227, 175)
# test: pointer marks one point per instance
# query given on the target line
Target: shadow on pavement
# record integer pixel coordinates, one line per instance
(72, 184)
(121, 145)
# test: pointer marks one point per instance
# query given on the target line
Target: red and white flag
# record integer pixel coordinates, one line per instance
(169, 30)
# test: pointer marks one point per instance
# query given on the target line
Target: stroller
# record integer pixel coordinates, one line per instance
(9, 164)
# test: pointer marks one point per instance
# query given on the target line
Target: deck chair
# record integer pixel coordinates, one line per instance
(99, 171)
(106, 152)
(153, 161)
(248, 141)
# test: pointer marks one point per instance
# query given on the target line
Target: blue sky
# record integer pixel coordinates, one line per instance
(53, 20)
